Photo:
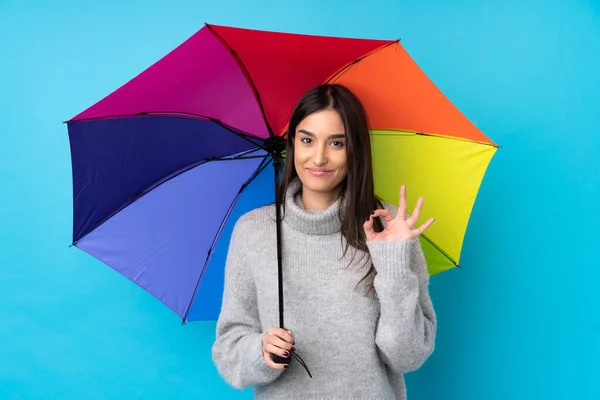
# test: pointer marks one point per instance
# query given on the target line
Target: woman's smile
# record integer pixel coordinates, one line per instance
(319, 172)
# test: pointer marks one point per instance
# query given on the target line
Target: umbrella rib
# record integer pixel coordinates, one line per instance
(258, 171)
(241, 134)
(435, 135)
(345, 68)
(246, 74)
(438, 248)
(242, 156)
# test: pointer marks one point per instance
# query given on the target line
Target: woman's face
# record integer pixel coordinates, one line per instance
(320, 154)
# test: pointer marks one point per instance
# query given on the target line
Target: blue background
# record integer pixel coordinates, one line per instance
(518, 321)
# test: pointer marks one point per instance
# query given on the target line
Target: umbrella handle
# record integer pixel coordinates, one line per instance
(277, 359)
(281, 360)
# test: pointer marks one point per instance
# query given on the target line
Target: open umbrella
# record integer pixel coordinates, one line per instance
(163, 166)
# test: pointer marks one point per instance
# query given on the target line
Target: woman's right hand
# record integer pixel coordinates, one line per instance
(277, 341)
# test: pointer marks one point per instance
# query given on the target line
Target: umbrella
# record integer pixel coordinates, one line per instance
(164, 165)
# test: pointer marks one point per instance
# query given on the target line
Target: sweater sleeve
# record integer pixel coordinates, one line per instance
(407, 323)
(237, 350)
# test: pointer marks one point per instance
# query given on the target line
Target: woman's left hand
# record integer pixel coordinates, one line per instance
(399, 228)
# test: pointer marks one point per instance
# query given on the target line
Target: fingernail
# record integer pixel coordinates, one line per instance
(293, 348)
(286, 354)
(286, 366)
(373, 213)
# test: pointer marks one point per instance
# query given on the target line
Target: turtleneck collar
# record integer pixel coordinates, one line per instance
(312, 222)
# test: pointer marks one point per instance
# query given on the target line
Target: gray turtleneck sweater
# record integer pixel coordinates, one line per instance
(356, 346)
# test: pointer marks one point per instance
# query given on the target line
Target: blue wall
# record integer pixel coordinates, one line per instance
(519, 321)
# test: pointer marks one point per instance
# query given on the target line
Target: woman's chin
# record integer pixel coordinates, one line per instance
(320, 184)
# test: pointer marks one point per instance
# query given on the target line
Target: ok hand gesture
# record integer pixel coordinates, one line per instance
(399, 228)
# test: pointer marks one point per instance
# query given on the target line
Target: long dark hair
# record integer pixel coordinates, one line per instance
(358, 187)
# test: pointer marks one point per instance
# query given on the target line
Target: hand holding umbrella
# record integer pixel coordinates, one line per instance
(277, 347)
(400, 228)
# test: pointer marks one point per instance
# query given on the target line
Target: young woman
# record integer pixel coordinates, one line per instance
(357, 305)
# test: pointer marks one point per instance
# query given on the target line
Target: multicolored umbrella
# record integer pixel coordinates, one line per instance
(164, 165)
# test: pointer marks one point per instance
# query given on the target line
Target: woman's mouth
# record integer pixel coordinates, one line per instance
(319, 171)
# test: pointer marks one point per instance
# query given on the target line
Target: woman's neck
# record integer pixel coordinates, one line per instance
(311, 221)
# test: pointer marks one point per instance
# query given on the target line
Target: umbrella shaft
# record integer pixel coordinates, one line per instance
(277, 166)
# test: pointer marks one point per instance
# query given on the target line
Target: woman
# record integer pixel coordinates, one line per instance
(355, 279)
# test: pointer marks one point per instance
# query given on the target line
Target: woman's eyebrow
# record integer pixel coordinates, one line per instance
(334, 136)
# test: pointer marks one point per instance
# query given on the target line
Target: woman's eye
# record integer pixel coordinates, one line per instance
(305, 140)
(337, 144)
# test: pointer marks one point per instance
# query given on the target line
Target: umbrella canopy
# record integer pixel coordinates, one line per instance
(164, 165)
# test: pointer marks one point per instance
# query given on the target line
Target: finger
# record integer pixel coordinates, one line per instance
(368, 227)
(426, 225)
(269, 348)
(402, 205)
(272, 364)
(416, 213)
(277, 341)
(283, 334)
(387, 217)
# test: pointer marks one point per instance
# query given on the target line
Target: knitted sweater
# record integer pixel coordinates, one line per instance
(356, 346)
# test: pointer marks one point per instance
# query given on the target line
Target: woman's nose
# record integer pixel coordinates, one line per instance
(320, 157)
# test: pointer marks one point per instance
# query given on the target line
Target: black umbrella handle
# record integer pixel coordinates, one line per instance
(281, 360)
